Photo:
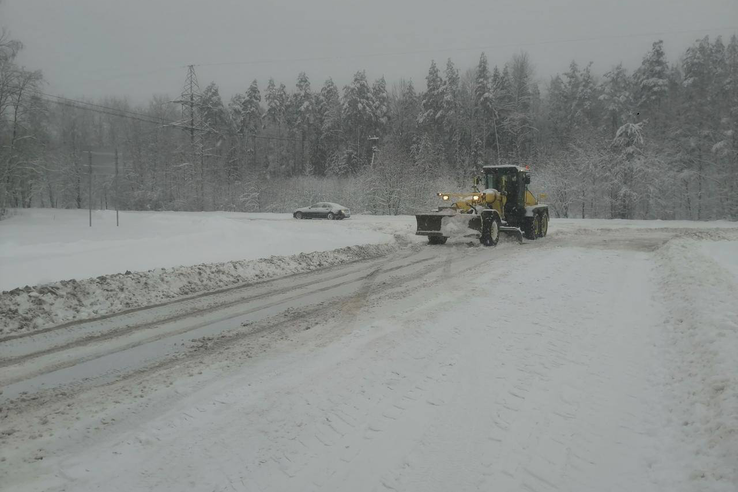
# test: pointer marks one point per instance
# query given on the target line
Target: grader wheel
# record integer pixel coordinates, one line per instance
(532, 227)
(543, 227)
(437, 240)
(490, 231)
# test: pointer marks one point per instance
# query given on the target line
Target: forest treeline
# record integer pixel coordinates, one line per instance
(660, 142)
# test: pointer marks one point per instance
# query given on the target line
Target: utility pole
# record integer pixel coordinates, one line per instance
(117, 222)
(375, 149)
(202, 181)
(89, 195)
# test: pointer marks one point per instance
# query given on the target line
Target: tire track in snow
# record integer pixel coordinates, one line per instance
(125, 330)
(33, 381)
(531, 400)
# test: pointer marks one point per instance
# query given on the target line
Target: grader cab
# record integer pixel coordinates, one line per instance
(500, 202)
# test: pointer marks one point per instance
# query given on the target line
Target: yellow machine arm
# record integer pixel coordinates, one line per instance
(465, 202)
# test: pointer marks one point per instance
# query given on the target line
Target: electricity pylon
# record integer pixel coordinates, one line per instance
(191, 101)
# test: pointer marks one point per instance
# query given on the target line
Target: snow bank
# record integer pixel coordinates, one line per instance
(33, 308)
(43, 245)
(574, 224)
(701, 372)
(724, 253)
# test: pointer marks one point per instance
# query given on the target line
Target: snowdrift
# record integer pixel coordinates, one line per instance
(699, 285)
(40, 246)
(32, 308)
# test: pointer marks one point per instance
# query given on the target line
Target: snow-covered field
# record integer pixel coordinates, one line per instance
(600, 358)
(56, 269)
(39, 246)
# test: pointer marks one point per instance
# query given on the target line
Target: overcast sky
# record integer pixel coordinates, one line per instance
(136, 48)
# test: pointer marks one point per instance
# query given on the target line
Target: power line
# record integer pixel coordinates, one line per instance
(96, 108)
(86, 103)
(102, 111)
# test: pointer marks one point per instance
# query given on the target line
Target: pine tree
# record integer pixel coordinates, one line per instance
(304, 106)
(304, 102)
(617, 99)
(517, 123)
(588, 99)
(358, 112)
(330, 110)
(275, 104)
(628, 142)
(431, 114)
(572, 83)
(327, 125)
(482, 88)
(727, 147)
(214, 115)
(505, 124)
(521, 74)
(557, 111)
(450, 91)
(252, 120)
(652, 81)
(251, 109)
(405, 115)
(484, 101)
(451, 115)
(381, 105)
(697, 129)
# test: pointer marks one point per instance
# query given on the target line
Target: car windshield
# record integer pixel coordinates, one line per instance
(175, 315)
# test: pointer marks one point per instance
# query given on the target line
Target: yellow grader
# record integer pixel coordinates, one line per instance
(503, 205)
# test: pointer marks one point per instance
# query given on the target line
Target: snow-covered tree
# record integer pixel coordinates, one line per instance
(381, 105)
(617, 99)
(652, 80)
(431, 114)
(358, 112)
(251, 112)
(214, 114)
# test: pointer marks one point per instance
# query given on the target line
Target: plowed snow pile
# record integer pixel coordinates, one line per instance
(33, 308)
(699, 284)
(39, 246)
(72, 271)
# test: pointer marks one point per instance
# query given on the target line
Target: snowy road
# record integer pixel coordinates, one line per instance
(538, 367)
(98, 351)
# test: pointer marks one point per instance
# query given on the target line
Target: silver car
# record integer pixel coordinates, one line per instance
(323, 210)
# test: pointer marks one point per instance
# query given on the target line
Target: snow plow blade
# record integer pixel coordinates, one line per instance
(429, 224)
(513, 231)
(445, 224)
(454, 224)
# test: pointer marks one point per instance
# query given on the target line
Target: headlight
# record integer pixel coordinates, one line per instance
(475, 198)
(445, 197)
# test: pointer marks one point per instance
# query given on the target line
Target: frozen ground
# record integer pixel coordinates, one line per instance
(601, 358)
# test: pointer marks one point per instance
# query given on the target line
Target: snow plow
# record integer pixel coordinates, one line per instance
(504, 205)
